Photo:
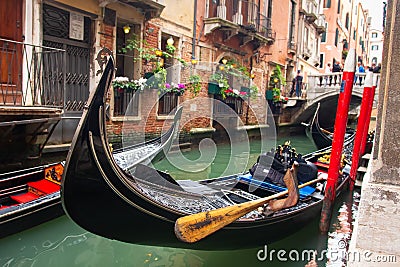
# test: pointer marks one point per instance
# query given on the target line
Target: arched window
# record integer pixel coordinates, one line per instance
(347, 24)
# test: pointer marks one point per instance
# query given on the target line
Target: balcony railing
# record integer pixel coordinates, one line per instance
(243, 13)
(31, 74)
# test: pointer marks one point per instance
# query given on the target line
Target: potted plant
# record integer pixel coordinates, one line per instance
(177, 89)
(218, 83)
(234, 93)
(123, 84)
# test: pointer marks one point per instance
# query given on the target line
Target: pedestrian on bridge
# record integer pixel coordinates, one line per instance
(360, 69)
(299, 83)
(328, 72)
(336, 68)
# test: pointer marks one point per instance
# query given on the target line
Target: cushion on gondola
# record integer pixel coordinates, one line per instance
(23, 198)
(44, 186)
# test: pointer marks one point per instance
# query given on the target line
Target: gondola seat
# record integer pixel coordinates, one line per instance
(44, 186)
(23, 198)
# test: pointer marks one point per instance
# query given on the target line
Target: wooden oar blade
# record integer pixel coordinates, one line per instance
(194, 227)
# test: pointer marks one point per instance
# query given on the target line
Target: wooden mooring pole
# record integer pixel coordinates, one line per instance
(362, 124)
(338, 139)
(371, 103)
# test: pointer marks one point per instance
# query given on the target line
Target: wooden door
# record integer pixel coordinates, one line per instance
(11, 19)
(10, 52)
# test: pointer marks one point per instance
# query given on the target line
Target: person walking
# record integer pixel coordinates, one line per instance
(377, 69)
(299, 83)
(360, 69)
(328, 72)
(335, 69)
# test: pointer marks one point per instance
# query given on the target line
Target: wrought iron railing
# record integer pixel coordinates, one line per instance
(243, 13)
(31, 74)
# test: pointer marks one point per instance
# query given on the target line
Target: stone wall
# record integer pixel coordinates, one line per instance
(379, 214)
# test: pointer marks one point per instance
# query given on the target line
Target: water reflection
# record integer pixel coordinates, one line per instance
(61, 242)
(342, 228)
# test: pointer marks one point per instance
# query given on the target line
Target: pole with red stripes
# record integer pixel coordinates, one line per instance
(346, 88)
(362, 124)
(371, 103)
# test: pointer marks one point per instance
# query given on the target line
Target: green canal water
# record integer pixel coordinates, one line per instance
(61, 242)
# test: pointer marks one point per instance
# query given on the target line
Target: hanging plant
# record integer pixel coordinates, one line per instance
(253, 91)
(153, 55)
(195, 83)
(277, 79)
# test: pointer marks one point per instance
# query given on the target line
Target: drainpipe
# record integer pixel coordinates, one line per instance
(194, 30)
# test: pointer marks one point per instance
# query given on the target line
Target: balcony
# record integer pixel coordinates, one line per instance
(319, 24)
(310, 10)
(30, 75)
(238, 19)
(307, 53)
(151, 8)
(31, 100)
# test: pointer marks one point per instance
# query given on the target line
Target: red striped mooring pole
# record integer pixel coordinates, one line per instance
(371, 103)
(346, 88)
(362, 124)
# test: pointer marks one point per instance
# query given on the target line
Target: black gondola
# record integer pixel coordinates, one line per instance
(141, 207)
(31, 196)
(322, 137)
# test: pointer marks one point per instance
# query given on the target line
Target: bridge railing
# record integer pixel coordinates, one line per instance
(319, 84)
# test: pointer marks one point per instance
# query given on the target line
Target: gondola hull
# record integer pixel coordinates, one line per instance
(142, 208)
(120, 221)
(321, 137)
(31, 216)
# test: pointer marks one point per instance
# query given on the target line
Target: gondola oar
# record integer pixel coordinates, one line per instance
(195, 227)
(325, 131)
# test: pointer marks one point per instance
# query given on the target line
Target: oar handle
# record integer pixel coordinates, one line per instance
(325, 131)
(194, 227)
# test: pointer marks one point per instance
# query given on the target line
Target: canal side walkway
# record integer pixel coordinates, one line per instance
(376, 236)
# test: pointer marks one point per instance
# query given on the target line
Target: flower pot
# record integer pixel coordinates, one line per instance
(269, 95)
(214, 89)
(245, 89)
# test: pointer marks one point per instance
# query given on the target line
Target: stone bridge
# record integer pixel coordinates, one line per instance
(323, 89)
